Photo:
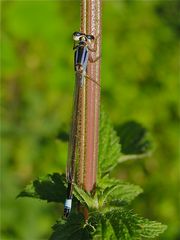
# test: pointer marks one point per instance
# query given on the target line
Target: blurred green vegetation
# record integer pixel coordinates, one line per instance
(139, 82)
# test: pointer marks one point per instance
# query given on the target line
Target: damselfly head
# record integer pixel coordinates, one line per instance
(77, 36)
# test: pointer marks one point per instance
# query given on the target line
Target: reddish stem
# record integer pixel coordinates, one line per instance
(90, 24)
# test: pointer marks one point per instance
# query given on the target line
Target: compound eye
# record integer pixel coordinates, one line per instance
(77, 35)
(90, 37)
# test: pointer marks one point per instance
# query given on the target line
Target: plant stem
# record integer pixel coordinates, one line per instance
(125, 158)
(90, 102)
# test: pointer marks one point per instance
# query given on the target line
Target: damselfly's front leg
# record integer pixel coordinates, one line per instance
(93, 60)
(94, 49)
(90, 58)
(89, 78)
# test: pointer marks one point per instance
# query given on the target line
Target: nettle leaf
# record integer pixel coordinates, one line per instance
(151, 229)
(51, 188)
(134, 138)
(123, 192)
(124, 224)
(109, 147)
(75, 228)
(127, 225)
(109, 193)
(103, 229)
(117, 193)
(106, 230)
(85, 198)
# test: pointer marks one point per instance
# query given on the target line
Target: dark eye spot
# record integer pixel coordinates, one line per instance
(90, 37)
(77, 34)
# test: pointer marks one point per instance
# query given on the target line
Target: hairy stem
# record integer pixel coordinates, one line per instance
(90, 102)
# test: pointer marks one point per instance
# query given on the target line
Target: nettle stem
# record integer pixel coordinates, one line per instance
(90, 102)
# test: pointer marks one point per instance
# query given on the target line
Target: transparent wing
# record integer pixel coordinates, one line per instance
(73, 139)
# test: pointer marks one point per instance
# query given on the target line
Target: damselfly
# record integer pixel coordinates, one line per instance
(82, 47)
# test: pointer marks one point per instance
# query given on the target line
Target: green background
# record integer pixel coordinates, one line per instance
(139, 82)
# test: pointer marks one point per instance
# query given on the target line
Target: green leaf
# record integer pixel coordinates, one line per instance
(51, 188)
(84, 197)
(151, 229)
(123, 224)
(134, 138)
(109, 147)
(127, 225)
(106, 229)
(109, 192)
(117, 193)
(75, 228)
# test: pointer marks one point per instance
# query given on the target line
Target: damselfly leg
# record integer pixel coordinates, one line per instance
(94, 48)
(89, 78)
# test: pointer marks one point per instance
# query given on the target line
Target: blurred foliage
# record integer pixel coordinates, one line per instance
(133, 138)
(139, 82)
